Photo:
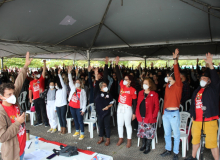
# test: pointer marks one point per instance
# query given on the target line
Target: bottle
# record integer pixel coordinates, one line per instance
(37, 143)
(27, 135)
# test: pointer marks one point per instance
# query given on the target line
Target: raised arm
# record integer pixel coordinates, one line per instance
(22, 76)
(61, 79)
(71, 84)
(90, 76)
(105, 77)
(176, 68)
(44, 69)
(96, 91)
(119, 77)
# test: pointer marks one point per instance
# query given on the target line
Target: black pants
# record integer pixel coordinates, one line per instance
(104, 125)
(40, 108)
(61, 112)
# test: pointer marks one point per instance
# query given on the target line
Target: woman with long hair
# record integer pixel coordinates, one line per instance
(127, 99)
(61, 102)
(146, 112)
(77, 102)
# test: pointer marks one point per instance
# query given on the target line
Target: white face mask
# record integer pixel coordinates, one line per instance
(38, 75)
(51, 87)
(125, 82)
(203, 83)
(46, 77)
(10, 79)
(166, 79)
(55, 74)
(145, 86)
(73, 76)
(56, 87)
(11, 99)
(77, 85)
(63, 76)
(105, 89)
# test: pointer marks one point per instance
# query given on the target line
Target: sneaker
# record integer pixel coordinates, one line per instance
(81, 137)
(191, 158)
(166, 153)
(76, 134)
(175, 157)
(47, 125)
(54, 130)
(50, 130)
(38, 124)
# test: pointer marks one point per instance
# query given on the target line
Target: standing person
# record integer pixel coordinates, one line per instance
(206, 95)
(77, 102)
(125, 112)
(35, 88)
(171, 117)
(186, 89)
(12, 127)
(61, 102)
(51, 107)
(103, 103)
(146, 112)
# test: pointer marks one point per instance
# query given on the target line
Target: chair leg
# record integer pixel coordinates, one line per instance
(97, 128)
(138, 142)
(34, 115)
(183, 147)
(153, 143)
(198, 152)
(69, 125)
(59, 128)
(32, 118)
(156, 137)
(91, 130)
(113, 120)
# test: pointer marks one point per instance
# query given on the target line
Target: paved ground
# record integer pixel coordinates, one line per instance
(118, 153)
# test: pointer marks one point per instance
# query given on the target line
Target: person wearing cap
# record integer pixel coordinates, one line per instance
(207, 94)
(35, 88)
(171, 117)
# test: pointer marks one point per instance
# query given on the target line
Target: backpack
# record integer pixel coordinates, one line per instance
(67, 151)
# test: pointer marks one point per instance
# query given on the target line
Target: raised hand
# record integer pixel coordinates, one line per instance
(175, 55)
(106, 60)
(44, 61)
(69, 69)
(59, 71)
(28, 60)
(208, 60)
(89, 68)
(152, 64)
(96, 71)
(117, 60)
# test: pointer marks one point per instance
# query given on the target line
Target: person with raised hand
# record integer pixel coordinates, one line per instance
(207, 94)
(12, 127)
(103, 102)
(127, 105)
(171, 116)
(77, 102)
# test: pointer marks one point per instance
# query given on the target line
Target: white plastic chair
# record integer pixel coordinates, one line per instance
(181, 108)
(184, 134)
(198, 152)
(161, 102)
(32, 116)
(68, 120)
(188, 101)
(113, 109)
(22, 99)
(90, 120)
(155, 138)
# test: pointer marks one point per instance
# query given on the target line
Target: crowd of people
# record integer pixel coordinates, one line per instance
(137, 91)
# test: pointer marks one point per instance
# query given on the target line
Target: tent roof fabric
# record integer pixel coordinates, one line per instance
(135, 30)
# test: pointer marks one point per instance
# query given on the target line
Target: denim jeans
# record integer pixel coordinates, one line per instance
(171, 122)
(78, 119)
(22, 157)
(61, 112)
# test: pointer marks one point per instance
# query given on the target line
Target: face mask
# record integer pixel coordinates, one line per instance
(10, 79)
(145, 86)
(92, 80)
(11, 99)
(38, 76)
(203, 83)
(73, 76)
(51, 87)
(46, 77)
(125, 82)
(105, 89)
(1, 75)
(55, 75)
(63, 76)
(77, 85)
(56, 87)
(166, 79)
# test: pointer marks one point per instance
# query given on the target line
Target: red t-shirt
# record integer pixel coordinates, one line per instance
(126, 94)
(199, 111)
(75, 101)
(12, 112)
(37, 87)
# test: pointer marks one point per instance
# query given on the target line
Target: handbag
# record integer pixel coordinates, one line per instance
(67, 151)
(32, 107)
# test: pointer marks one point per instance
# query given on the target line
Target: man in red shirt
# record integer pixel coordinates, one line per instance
(35, 88)
(207, 94)
(12, 127)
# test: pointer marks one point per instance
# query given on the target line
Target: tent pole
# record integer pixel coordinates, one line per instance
(2, 62)
(145, 62)
(88, 56)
